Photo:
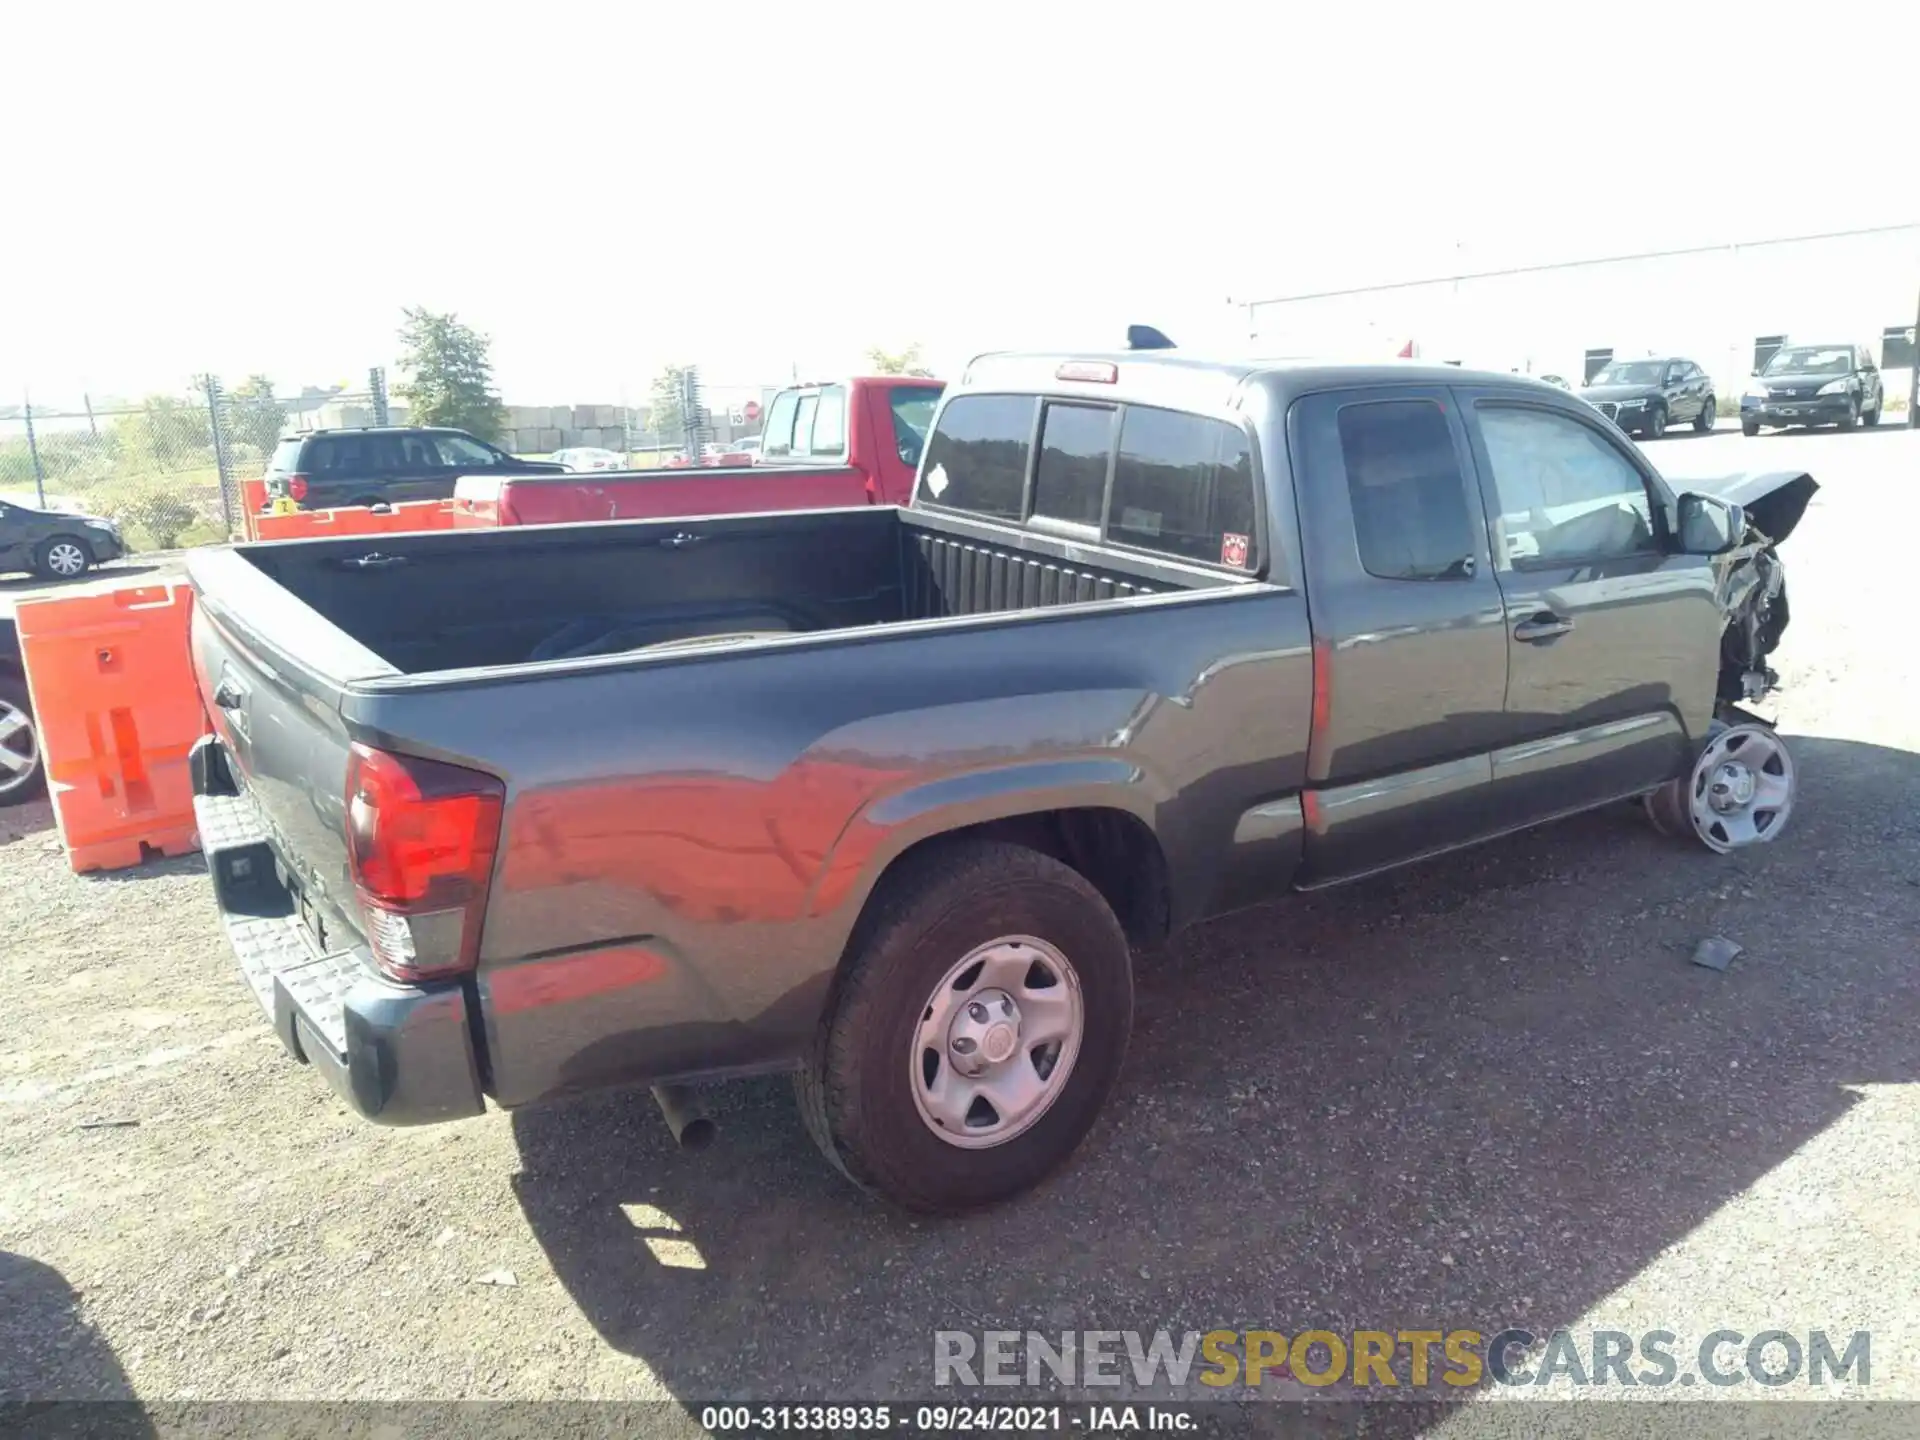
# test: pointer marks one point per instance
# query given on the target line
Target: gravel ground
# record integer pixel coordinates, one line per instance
(1490, 1089)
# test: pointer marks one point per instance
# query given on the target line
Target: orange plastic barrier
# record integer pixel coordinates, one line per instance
(253, 499)
(356, 520)
(114, 698)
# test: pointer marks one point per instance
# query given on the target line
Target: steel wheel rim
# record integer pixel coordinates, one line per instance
(1742, 789)
(19, 749)
(996, 1042)
(65, 558)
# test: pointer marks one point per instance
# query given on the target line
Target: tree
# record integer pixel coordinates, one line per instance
(664, 400)
(907, 362)
(255, 415)
(449, 374)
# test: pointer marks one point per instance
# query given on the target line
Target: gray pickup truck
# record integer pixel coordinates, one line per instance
(887, 796)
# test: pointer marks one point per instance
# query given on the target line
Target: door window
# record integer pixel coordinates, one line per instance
(1411, 515)
(829, 435)
(776, 437)
(912, 418)
(460, 453)
(1565, 493)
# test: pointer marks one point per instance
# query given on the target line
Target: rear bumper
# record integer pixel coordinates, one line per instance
(398, 1054)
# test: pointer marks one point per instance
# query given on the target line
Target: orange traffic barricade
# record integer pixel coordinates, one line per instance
(253, 499)
(114, 699)
(355, 520)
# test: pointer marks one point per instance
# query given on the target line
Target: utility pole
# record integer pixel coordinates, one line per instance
(33, 449)
(1913, 394)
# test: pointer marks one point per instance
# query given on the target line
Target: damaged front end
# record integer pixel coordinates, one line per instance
(1752, 581)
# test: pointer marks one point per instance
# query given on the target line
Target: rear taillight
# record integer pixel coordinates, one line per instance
(297, 486)
(421, 837)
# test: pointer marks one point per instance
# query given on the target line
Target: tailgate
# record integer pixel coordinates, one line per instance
(285, 747)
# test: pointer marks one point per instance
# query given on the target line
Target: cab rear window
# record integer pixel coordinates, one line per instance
(1165, 481)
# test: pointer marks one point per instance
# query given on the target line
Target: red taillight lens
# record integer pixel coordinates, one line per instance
(421, 836)
(297, 486)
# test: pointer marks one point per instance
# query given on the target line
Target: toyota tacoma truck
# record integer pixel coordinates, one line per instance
(855, 442)
(888, 796)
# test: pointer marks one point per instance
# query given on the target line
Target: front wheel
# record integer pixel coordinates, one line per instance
(1870, 418)
(1749, 428)
(64, 557)
(1852, 417)
(1739, 793)
(979, 1023)
(1657, 423)
(1703, 422)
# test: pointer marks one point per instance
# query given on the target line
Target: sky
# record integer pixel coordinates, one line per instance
(606, 189)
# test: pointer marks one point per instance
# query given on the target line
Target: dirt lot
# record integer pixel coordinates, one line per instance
(1488, 1089)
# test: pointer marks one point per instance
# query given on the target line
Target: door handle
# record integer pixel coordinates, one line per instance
(228, 696)
(1543, 626)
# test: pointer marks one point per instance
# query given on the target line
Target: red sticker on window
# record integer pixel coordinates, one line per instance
(1233, 550)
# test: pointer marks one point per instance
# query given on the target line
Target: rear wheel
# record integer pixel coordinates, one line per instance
(979, 1024)
(367, 502)
(1709, 413)
(21, 774)
(64, 557)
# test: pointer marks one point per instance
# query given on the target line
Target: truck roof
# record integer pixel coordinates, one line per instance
(1165, 377)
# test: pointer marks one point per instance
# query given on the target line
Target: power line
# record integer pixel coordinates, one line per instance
(1579, 264)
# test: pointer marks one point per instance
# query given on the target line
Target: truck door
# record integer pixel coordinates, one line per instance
(1614, 637)
(1409, 635)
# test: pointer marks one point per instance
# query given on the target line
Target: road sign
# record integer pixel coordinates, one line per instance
(751, 410)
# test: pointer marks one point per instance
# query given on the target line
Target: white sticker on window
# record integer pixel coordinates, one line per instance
(937, 480)
(1141, 522)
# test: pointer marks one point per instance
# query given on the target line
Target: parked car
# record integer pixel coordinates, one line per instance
(883, 796)
(749, 446)
(1644, 397)
(55, 544)
(1814, 385)
(852, 442)
(588, 457)
(387, 465)
(21, 775)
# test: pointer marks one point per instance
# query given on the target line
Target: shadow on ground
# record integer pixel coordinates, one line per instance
(50, 1351)
(1485, 1090)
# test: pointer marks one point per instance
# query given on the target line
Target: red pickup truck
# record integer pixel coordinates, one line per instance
(852, 442)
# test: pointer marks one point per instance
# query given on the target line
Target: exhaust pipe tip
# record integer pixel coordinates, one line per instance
(686, 1117)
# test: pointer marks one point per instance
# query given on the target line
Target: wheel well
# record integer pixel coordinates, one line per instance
(1116, 852)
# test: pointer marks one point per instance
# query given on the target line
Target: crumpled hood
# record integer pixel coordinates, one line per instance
(1774, 499)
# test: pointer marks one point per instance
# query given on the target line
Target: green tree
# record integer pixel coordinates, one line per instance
(449, 374)
(906, 362)
(664, 417)
(254, 414)
(167, 433)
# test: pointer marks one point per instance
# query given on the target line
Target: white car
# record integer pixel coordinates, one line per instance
(590, 457)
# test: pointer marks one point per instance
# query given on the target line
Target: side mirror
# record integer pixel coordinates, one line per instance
(1709, 526)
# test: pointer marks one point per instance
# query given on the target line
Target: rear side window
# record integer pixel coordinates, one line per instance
(1071, 479)
(977, 458)
(1183, 486)
(1408, 494)
(340, 455)
(286, 458)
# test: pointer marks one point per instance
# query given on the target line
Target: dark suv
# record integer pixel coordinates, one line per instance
(1814, 385)
(1644, 397)
(386, 466)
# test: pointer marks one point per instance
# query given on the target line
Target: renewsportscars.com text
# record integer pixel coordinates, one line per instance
(1396, 1359)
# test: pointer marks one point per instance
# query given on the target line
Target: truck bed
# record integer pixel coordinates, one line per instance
(477, 599)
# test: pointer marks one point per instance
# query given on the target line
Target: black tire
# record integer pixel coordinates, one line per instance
(1852, 417)
(63, 557)
(1871, 418)
(366, 502)
(1749, 428)
(1703, 422)
(855, 1095)
(16, 787)
(1657, 422)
